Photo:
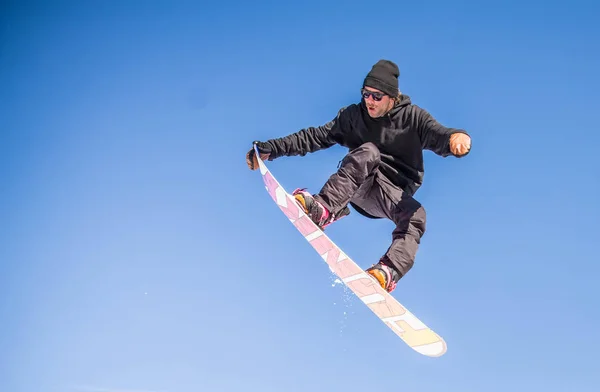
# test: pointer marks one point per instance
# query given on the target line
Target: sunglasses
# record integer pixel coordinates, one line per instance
(376, 96)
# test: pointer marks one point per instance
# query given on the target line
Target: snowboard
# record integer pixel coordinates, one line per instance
(402, 322)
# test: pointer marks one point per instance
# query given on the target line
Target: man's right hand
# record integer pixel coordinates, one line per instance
(251, 159)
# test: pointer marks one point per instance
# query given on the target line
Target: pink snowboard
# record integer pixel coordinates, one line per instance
(402, 322)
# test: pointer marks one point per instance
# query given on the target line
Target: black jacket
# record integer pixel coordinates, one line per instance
(401, 137)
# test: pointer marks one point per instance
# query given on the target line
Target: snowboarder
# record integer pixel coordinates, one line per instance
(386, 135)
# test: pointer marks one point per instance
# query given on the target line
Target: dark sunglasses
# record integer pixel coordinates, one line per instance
(376, 96)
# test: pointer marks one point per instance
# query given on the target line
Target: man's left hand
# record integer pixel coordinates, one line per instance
(460, 144)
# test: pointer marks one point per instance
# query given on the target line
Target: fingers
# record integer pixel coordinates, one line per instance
(460, 144)
(251, 160)
(461, 149)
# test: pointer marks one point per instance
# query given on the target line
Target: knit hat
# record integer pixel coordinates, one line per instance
(384, 77)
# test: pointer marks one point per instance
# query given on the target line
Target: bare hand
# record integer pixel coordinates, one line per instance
(460, 144)
(252, 161)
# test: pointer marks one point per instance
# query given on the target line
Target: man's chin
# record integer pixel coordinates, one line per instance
(372, 113)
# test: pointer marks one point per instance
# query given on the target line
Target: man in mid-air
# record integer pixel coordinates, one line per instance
(386, 135)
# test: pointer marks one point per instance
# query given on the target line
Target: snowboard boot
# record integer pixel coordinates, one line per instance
(386, 276)
(316, 211)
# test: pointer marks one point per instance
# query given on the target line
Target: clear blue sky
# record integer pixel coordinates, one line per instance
(138, 252)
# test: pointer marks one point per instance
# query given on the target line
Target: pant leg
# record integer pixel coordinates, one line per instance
(354, 170)
(408, 215)
(358, 170)
(371, 200)
(411, 220)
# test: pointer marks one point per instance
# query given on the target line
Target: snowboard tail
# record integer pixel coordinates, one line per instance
(401, 321)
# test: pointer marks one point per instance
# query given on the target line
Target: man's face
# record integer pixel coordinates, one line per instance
(378, 104)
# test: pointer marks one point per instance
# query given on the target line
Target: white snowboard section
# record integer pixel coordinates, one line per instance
(402, 322)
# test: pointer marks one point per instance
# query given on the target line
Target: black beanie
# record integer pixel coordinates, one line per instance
(384, 77)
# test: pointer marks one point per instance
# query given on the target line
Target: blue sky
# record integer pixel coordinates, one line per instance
(138, 252)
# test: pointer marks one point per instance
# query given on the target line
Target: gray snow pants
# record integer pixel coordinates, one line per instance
(355, 183)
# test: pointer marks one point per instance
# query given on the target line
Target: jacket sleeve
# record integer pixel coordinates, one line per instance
(434, 136)
(309, 139)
